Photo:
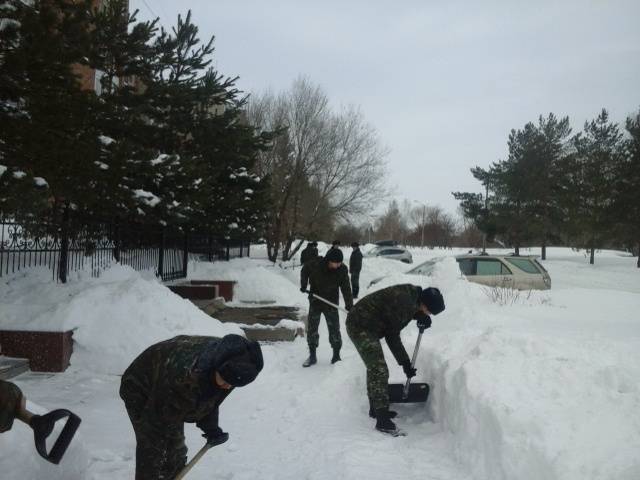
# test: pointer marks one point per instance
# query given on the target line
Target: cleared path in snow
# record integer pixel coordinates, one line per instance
(292, 423)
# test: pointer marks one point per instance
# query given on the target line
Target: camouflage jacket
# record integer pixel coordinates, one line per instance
(385, 313)
(10, 398)
(172, 381)
(325, 282)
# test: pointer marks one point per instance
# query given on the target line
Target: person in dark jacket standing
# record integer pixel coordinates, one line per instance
(326, 276)
(183, 379)
(355, 265)
(309, 253)
(383, 314)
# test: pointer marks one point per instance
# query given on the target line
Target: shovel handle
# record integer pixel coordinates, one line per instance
(193, 461)
(322, 299)
(405, 391)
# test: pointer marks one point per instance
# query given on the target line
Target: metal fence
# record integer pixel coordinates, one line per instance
(67, 247)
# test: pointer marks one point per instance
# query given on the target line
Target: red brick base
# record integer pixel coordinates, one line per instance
(46, 351)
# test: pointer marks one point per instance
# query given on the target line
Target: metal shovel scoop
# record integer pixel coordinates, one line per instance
(410, 392)
(43, 426)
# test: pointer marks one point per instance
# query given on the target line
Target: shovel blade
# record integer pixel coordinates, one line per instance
(418, 393)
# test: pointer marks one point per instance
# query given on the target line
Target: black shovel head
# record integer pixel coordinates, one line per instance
(418, 393)
(43, 427)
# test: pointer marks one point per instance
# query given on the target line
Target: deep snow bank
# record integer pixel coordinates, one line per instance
(547, 388)
(114, 317)
(259, 281)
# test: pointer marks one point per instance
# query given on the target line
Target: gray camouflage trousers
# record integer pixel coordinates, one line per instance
(160, 449)
(333, 324)
(370, 350)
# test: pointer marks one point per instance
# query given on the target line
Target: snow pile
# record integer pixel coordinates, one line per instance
(18, 455)
(547, 388)
(259, 281)
(114, 317)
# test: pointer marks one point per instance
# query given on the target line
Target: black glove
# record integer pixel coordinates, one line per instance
(216, 436)
(303, 289)
(424, 321)
(409, 371)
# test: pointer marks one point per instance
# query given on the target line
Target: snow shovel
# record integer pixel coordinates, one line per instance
(196, 458)
(324, 300)
(43, 426)
(410, 392)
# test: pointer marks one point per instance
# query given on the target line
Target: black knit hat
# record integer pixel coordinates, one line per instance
(334, 255)
(238, 373)
(241, 365)
(432, 298)
(355, 245)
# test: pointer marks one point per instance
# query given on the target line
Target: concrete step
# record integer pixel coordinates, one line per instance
(12, 367)
(261, 322)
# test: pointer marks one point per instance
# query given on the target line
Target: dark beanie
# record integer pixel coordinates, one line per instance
(241, 366)
(432, 298)
(355, 245)
(334, 255)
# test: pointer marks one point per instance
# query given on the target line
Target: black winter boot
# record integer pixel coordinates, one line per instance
(336, 355)
(312, 360)
(372, 411)
(384, 423)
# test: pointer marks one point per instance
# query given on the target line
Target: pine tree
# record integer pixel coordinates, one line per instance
(589, 182)
(627, 199)
(46, 117)
(546, 217)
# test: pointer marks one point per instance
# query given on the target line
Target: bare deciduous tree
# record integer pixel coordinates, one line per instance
(325, 166)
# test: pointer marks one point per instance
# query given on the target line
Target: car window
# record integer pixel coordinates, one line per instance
(391, 251)
(523, 264)
(423, 269)
(467, 266)
(539, 265)
(491, 267)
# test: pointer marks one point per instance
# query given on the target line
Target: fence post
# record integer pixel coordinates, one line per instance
(116, 242)
(185, 257)
(64, 246)
(161, 255)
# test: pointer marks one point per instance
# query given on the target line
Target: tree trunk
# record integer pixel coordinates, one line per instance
(517, 252)
(638, 264)
(544, 250)
(593, 255)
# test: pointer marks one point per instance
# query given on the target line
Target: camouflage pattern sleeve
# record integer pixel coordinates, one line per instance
(345, 287)
(10, 398)
(397, 348)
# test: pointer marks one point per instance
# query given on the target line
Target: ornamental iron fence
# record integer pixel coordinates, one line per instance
(68, 247)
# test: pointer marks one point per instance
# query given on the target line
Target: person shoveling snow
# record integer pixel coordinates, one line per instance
(183, 379)
(383, 314)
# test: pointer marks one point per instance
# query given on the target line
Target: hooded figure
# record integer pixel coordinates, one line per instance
(183, 379)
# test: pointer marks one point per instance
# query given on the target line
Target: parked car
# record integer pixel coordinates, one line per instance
(510, 271)
(391, 252)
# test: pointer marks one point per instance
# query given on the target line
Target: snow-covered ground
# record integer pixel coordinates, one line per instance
(546, 388)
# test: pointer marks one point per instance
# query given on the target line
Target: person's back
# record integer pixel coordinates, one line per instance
(388, 309)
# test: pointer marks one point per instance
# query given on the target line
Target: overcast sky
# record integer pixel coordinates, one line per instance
(442, 81)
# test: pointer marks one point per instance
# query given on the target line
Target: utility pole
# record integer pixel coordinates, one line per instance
(424, 207)
(486, 213)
